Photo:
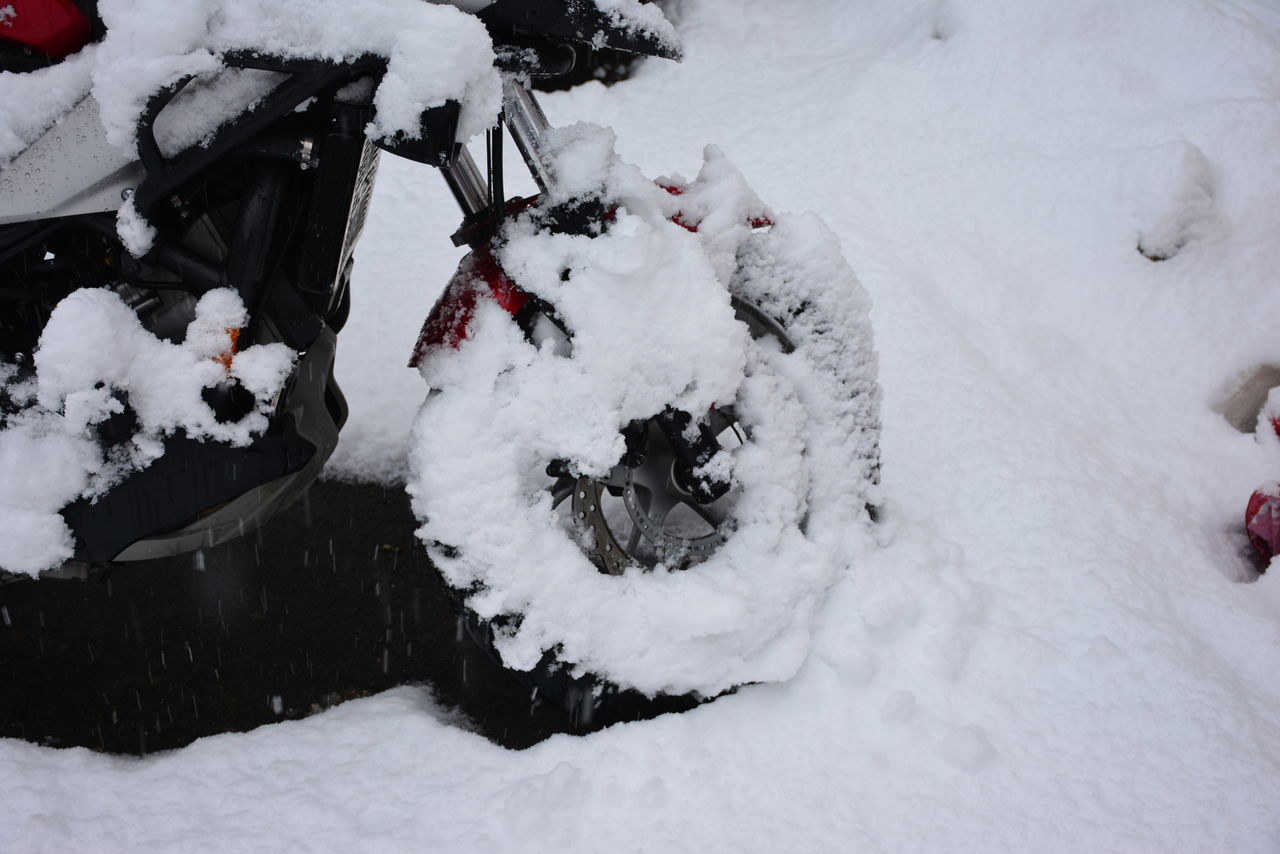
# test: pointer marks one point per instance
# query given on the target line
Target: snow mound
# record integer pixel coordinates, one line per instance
(95, 359)
(648, 304)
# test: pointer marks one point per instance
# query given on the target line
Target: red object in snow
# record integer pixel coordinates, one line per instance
(680, 219)
(1262, 523)
(449, 323)
(54, 27)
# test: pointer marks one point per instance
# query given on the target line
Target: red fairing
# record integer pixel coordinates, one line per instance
(478, 275)
(54, 27)
(1262, 516)
(1262, 523)
(449, 322)
(681, 220)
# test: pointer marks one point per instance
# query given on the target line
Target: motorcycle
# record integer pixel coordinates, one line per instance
(712, 422)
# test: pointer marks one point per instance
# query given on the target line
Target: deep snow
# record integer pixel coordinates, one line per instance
(1057, 646)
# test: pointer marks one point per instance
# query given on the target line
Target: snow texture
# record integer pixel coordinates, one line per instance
(1059, 645)
(648, 306)
(94, 359)
(637, 17)
(30, 103)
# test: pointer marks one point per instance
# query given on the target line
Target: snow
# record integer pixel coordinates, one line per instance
(1058, 645)
(31, 103)
(634, 16)
(135, 232)
(434, 53)
(94, 359)
(648, 306)
(204, 104)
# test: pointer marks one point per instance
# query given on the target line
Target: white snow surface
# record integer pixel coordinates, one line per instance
(1059, 645)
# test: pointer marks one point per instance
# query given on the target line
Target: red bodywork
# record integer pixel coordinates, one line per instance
(53, 27)
(480, 275)
(447, 324)
(1262, 523)
(683, 221)
(1262, 516)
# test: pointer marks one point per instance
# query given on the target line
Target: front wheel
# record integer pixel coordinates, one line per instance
(668, 504)
(645, 474)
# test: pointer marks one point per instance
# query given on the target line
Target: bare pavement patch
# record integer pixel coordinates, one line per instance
(333, 599)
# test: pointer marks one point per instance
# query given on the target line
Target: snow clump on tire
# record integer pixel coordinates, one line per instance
(648, 305)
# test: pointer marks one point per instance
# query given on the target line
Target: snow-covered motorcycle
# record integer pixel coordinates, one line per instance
(630, 378)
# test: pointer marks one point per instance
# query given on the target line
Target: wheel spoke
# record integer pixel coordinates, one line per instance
(713, 514)
(561, 490)
(660, 504)
(652, 476)
(617, 477)
(721, 418)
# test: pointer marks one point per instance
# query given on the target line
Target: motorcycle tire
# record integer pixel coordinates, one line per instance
(590, 701)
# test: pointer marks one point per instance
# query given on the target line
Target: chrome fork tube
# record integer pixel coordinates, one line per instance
(528, 126)
(468, 185)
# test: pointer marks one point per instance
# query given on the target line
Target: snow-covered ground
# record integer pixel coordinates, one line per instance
(1059, 645)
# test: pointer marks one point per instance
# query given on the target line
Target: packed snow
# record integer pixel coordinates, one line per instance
(1064, 215)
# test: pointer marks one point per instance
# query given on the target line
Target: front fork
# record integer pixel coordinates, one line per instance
(481, 195)
(483, 204)
(482, 199)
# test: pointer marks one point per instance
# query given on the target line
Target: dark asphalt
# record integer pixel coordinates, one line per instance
(332, 600)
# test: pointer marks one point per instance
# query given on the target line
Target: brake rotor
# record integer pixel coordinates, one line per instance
(641, 529)
(641, 515)
(588, 501)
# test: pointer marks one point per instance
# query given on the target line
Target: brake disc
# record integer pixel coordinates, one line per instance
(654, 519)
(641, 515)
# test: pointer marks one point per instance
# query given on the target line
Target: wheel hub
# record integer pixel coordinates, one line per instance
(640, 515)
(643, 514)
